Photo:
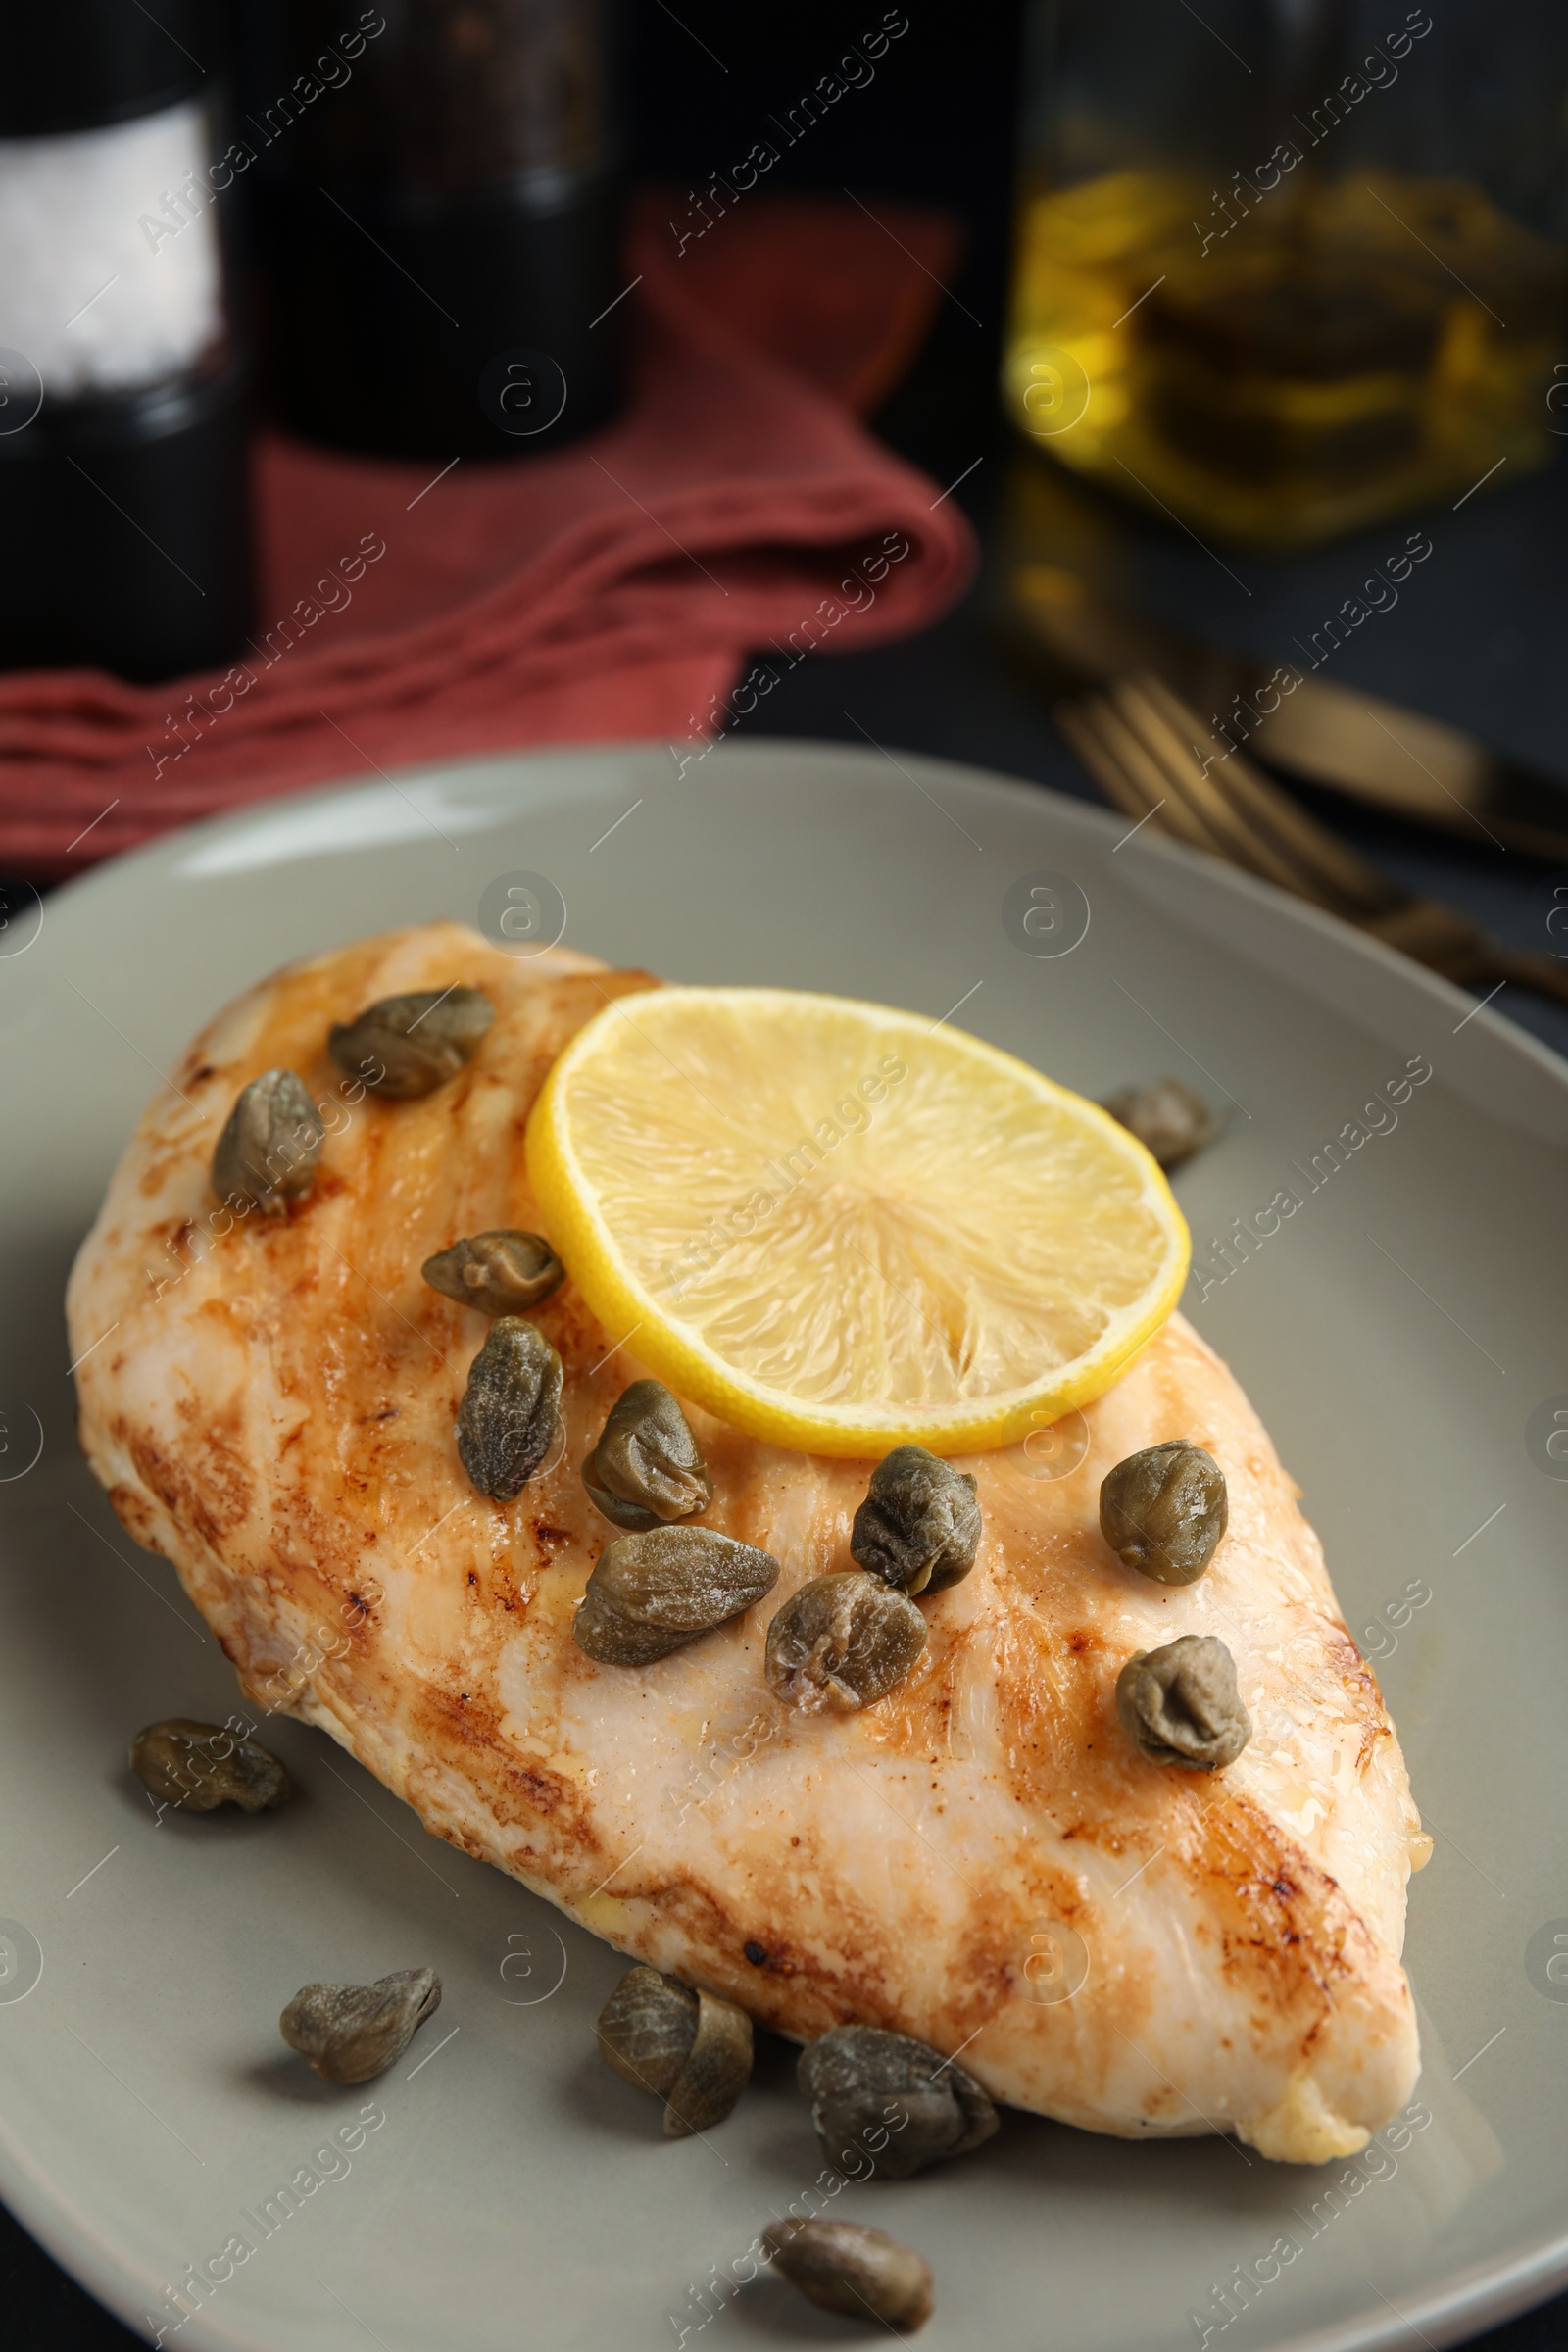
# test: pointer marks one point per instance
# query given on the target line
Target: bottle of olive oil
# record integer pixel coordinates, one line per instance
(1292, 349)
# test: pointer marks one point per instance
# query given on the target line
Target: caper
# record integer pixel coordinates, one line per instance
(197, 1766)
(653, 1593)
(270, 1143)
(421, 1040)
(499, 1273)
(646, 2028)
(1165, 1511)
(842, 1642)
(508, 1415)
(851, 2269)
(718, 2069)
(647, 1467)
(920, 1525)
(352, 2031)
(891, 2100)
(690, 2049)
(1180, 1704)
(1167, 1117)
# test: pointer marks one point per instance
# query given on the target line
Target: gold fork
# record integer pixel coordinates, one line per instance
(1140, 741)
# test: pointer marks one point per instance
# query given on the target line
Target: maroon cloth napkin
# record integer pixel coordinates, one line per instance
(612, 589)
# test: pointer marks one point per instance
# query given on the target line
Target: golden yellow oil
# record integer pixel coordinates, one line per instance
(1280, 370)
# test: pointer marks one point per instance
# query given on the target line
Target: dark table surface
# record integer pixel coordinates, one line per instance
(1475, 640)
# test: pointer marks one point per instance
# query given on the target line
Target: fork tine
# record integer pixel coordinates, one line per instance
(1335, 872)
(1242, 842)
(1127, 771)
(1140, 742)
(1121, 791)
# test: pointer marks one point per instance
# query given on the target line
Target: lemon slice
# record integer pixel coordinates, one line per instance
(841, 1227)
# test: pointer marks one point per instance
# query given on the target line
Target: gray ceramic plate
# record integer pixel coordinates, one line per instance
(1402, 1336)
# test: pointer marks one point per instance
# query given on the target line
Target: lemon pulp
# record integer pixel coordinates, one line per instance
(839, 1226)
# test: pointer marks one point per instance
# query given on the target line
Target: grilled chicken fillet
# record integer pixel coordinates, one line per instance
(981, 1860)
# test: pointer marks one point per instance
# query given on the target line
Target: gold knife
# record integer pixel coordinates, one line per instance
(1323, 733)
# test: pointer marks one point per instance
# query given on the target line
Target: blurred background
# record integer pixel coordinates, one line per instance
(391, 383)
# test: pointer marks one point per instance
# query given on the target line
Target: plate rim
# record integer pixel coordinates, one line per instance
(1158, 848)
